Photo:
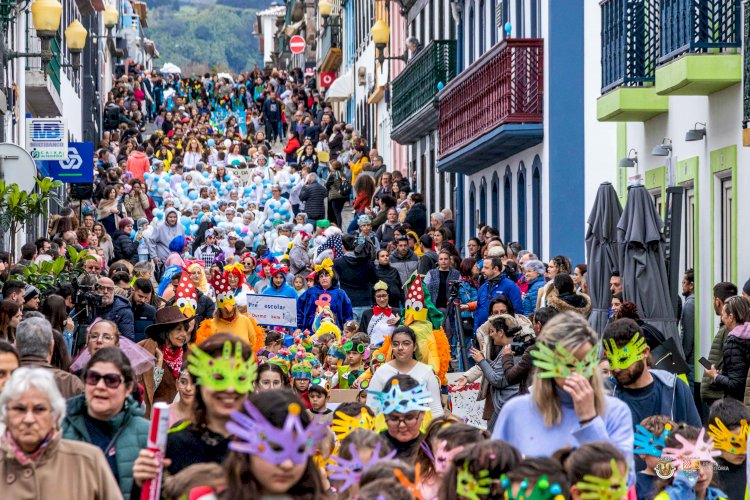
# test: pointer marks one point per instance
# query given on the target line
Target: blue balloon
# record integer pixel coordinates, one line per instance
(440, 86)
(184, 185)
(193, 195)
(508, 28)
(160, 216)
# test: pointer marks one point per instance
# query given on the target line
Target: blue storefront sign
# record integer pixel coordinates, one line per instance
(79, 167)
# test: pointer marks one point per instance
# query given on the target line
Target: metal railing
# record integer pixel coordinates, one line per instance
(506, 85)
(698, 25)
(629, 42)
(417, 84)
(331, 39)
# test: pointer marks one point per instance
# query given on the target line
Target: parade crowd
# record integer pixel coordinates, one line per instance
(214, 195)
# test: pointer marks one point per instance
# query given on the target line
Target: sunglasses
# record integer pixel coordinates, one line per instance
(111, 380)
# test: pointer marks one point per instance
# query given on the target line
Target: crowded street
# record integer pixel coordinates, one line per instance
(412, 253)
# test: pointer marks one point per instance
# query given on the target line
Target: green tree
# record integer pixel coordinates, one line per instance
(17, 207)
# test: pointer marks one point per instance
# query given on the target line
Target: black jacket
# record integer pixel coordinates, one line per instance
(416, 217)
(736, 361)
(314, 196)
(125, 248)
(121, 313)
(143, 316)
(356, 277)
(206, 309)
(392, 278)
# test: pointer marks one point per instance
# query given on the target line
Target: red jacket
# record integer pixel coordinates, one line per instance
(361, 202)
(138, 165)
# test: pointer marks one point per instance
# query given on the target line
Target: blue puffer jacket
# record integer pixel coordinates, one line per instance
(130, 436)
(501, 285)
(529, 301)
(284, 291)
(341, 306)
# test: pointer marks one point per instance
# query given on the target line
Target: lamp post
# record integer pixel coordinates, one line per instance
(75, 41)
(381, 36)
(46, 16)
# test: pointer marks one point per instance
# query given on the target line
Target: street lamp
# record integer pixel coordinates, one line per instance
(381, 36)
(631, 160)
(325, 8)
(110, 15)
(75, 41)
(663, 149)
(696, 134)
(46, 15)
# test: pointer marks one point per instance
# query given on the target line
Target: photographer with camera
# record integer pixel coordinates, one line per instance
(438, 282)
(501, 331)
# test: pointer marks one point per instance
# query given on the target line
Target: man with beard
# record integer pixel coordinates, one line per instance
(646, 391)
(115, 307)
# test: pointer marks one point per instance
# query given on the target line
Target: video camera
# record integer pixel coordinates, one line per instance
(521, 340)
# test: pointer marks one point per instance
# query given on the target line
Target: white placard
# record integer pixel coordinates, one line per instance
(464, 404)
(270, 310)
(47, 138)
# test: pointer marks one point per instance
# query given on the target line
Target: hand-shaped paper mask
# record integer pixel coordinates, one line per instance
(699, 450)
(726, 440)
(396, 400)
(597, 488)
(468, 486)
(645, 443)
(219, 374)
(350, 471)
(543, 490)
(561, 363)
(443, 457)
(622, 358)
(257, 436)
(412, 487)
(342, 424)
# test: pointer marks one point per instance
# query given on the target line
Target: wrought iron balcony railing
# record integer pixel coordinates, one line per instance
(629, 43)
(417, 85)
(697, 26)
(505, 85)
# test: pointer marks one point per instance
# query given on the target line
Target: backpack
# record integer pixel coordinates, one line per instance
(345, 188)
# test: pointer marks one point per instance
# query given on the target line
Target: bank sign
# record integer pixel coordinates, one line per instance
(77, 167)
(47, 138)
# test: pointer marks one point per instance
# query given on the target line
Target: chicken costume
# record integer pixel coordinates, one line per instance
(421, 315)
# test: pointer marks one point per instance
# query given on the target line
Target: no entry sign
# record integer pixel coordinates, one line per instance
(297, 44)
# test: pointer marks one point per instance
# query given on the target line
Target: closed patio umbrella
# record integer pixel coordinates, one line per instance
(601, 248)
(642, 264)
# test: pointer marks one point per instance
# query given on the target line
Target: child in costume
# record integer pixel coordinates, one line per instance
(324, 294)
(274, 430)
(227, 319)
(649, 442)
(478, 469)
(693, 455)
(728, 426)
(353, 365)
(319, 393)
(596, 470)
(421, 315)
(359, 451)
(301, 377)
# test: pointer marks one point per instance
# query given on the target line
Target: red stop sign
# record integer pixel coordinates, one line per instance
(297, 44)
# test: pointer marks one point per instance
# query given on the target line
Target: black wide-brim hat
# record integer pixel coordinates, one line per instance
(166, 319)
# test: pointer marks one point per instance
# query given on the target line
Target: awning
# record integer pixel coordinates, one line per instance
(342, 87)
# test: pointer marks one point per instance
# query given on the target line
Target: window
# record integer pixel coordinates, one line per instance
(726, 228)
(658, 201)
(493, 23)
(495, 201)
(536, 206)
(453, 197)
(534, 21)
(441, 188)
(520, 21)
(430, 22)
(522, 205)
(472, 210)
(483, 201)
(688, 232)
(423, 175)
(470, 34)
(505, 16)
(422, 39)
(433, 185)
(440, 34)
(482, 24)
(507, 206)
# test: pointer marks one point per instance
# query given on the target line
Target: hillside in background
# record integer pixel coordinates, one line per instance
(205, 35)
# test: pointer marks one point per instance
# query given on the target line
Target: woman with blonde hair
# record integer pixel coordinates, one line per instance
(198, 277)
(567, 405)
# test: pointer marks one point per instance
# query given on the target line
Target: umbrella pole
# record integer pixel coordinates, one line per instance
(675, 195)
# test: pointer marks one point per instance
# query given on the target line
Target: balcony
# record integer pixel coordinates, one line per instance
(506, 87)
(330, 47)
(698, 47)
(414, 109)
(43, 91)
(629, 45)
